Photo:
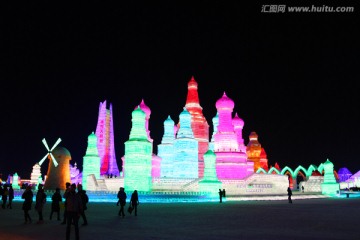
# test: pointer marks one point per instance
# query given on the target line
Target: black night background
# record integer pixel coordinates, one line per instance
(293, 76)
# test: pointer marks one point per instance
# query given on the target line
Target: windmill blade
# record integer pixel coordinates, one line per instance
(57, 142)
(43, 159)
(54, 160)
(45, 143)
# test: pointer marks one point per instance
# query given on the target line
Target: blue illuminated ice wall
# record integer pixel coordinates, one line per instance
(166, 149)
(186, 149)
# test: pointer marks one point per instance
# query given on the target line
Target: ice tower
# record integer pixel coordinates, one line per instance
(231, 161)
(138, 155)
(256, 153)
(329, 186)
(215, 122)
(91, 162)
(186, 149)
(166, 148)
(199, 124)
(105, 141)
(210, 182)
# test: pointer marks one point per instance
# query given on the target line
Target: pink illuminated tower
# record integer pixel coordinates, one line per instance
(105, 141)
(199, 124)
(147, 111)
(231, 160)
(155, 160)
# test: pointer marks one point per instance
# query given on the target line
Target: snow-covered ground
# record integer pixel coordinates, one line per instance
(321, 218)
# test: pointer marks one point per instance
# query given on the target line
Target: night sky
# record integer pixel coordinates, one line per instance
(293, 76)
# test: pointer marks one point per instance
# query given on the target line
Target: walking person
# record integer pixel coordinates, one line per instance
(28, 199)
(122, 199)
(84, 200)
(134, 201)
(40, 202)
(289, 194)
(11, 196)
(220, 195)
(67, 186)
(5, 195)
(55, 205)
(73, 210)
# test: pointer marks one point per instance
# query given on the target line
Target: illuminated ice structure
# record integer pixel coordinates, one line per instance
(209, 183)
(199, 125)
(105, 142)
(329, 186)
(91, 161)
(256, 153)
(231, 158)
(138, 155)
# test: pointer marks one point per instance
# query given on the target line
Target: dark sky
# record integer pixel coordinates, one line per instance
(293, 76)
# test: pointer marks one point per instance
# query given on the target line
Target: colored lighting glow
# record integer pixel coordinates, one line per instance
(199, 125)
(210, 182)
(105, 144)
(138, 156)
(329, 186)
(166, 148)
(185, 164)
(91, 162)
(231, 163)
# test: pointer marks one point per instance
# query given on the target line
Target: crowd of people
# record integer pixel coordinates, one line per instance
(74, 204)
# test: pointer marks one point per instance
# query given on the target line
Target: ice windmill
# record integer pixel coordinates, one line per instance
(58, 172)
(49, 154)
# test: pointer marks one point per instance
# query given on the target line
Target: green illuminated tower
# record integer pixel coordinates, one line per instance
(329, 186)
(91, 162)
(210, 183)
(138, 153)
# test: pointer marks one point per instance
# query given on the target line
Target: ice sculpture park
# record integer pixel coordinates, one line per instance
(190, 160)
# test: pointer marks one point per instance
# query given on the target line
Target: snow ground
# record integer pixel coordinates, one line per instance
(326, 218)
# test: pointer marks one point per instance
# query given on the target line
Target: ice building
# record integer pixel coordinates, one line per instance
(138, 155)
(231, 159)
(199, 125)
(105, 141)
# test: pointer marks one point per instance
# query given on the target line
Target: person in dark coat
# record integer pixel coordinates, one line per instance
(67, 186)
(11, 196)
(84, 200)
(40, 202)
(73, 210)
(289, 194)
(134, 201)
(55, 205)
(122, 199)
(28, 199)
(220, 195)
(5, 195)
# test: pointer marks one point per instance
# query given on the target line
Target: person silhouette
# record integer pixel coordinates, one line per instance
(289, 194)
(11, 196)
(73, 209)
(122, 199)
(55, 205)
(28, 199)
(134, 202)
(220, 195)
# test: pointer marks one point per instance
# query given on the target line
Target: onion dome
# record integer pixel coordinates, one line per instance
(225, 103)
(145, 108)
(210, 153)
(138, 113)
(253, 136)
(169, 121)
(238, 121)
(185, 114)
